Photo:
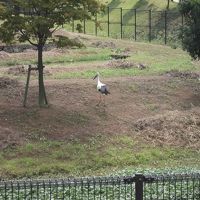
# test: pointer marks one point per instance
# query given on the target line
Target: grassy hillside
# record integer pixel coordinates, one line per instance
(142, 20)
(150, 120)
(139, 4)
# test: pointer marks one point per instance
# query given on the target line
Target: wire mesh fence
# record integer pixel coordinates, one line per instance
(135, 24)
(138, 187)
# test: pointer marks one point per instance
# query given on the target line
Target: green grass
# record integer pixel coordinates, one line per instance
(159, 60)
(82, 58)
(157, 64)
(143, 4)
(142, 20)
(77, 55)
(96, 156)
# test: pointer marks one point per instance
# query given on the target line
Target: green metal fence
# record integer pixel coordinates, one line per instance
(138, 187)
(135, 24)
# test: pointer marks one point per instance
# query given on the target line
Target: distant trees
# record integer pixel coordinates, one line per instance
(36, 20)
(191, 31)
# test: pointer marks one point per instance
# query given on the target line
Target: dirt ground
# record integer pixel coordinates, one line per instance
(160, 109)
(163, 110)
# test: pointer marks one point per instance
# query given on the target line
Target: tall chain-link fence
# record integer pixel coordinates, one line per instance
(162, 27)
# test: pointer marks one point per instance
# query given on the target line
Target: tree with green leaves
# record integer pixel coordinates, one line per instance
(191, 30)
(35, 21)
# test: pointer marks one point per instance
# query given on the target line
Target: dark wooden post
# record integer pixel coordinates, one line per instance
(96, 24)
(182, 26)
(108, 22)
(139, 183)
(27, 85)
(121, 12)
(84, 28)
(73, 25)
(165, 27)
(135, 24)
(30, 68)
(149, 25)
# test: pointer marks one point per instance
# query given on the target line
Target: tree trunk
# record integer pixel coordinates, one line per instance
(167, 5)
(42, 94)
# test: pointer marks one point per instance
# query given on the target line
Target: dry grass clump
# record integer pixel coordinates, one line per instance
(23, 70)
(174, 128)
(11, 90)
(4, 55)
(100, 44)
(8, 138)
(18, 70)
(185, 75)
(123, 64)
(6, 82)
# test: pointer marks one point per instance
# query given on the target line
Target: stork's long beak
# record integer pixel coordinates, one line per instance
(95, 77)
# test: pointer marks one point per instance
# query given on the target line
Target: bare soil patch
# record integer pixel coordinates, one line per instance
(100, 44)
(123, 64)
(148, 108)
(4, 55)
(6, 82)
(175, 128)
(23, 70)
(185, 75)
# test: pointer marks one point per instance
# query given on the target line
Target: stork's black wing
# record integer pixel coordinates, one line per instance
(104, 90)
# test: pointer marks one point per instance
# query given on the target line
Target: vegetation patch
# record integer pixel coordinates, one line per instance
(173, 128)
(8, 82)
(184, 74)
(95, 156)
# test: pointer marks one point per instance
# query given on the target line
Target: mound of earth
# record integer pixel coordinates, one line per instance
(9, 138)
(7, 82)
(19, 70)
(23, 70)
(186, 75)
(100, 44)
(123, 64)
(3, 55)
(175, 128)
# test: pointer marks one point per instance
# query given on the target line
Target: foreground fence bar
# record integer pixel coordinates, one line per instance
(138, 187)
(139, 180)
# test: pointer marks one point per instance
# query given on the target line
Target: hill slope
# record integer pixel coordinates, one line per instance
(151, 118)
(139, 25)
(140, 4)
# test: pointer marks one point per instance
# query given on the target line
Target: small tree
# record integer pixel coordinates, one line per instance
(191, 30)
(36, 20)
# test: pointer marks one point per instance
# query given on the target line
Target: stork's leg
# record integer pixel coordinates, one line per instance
(99, 100)
(104, 100)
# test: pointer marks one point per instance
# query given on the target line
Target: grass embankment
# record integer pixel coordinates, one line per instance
(159, 59)
(99, 155)
(142, 21)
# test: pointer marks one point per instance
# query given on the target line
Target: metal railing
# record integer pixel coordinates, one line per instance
(136, 24)
(138, 187)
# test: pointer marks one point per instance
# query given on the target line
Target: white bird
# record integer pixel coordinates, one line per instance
(101, 87)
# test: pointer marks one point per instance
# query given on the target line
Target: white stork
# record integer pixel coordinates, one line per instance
(102, 88)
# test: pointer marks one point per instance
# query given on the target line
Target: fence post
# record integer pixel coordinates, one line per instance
(149, 25)
(182, 26)
(73, 25)
(108, 22)
(135, 24)
(96, 24)
(27, 85)
(165, 27)
(84, 26)
(121, 23)
(139, 183)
